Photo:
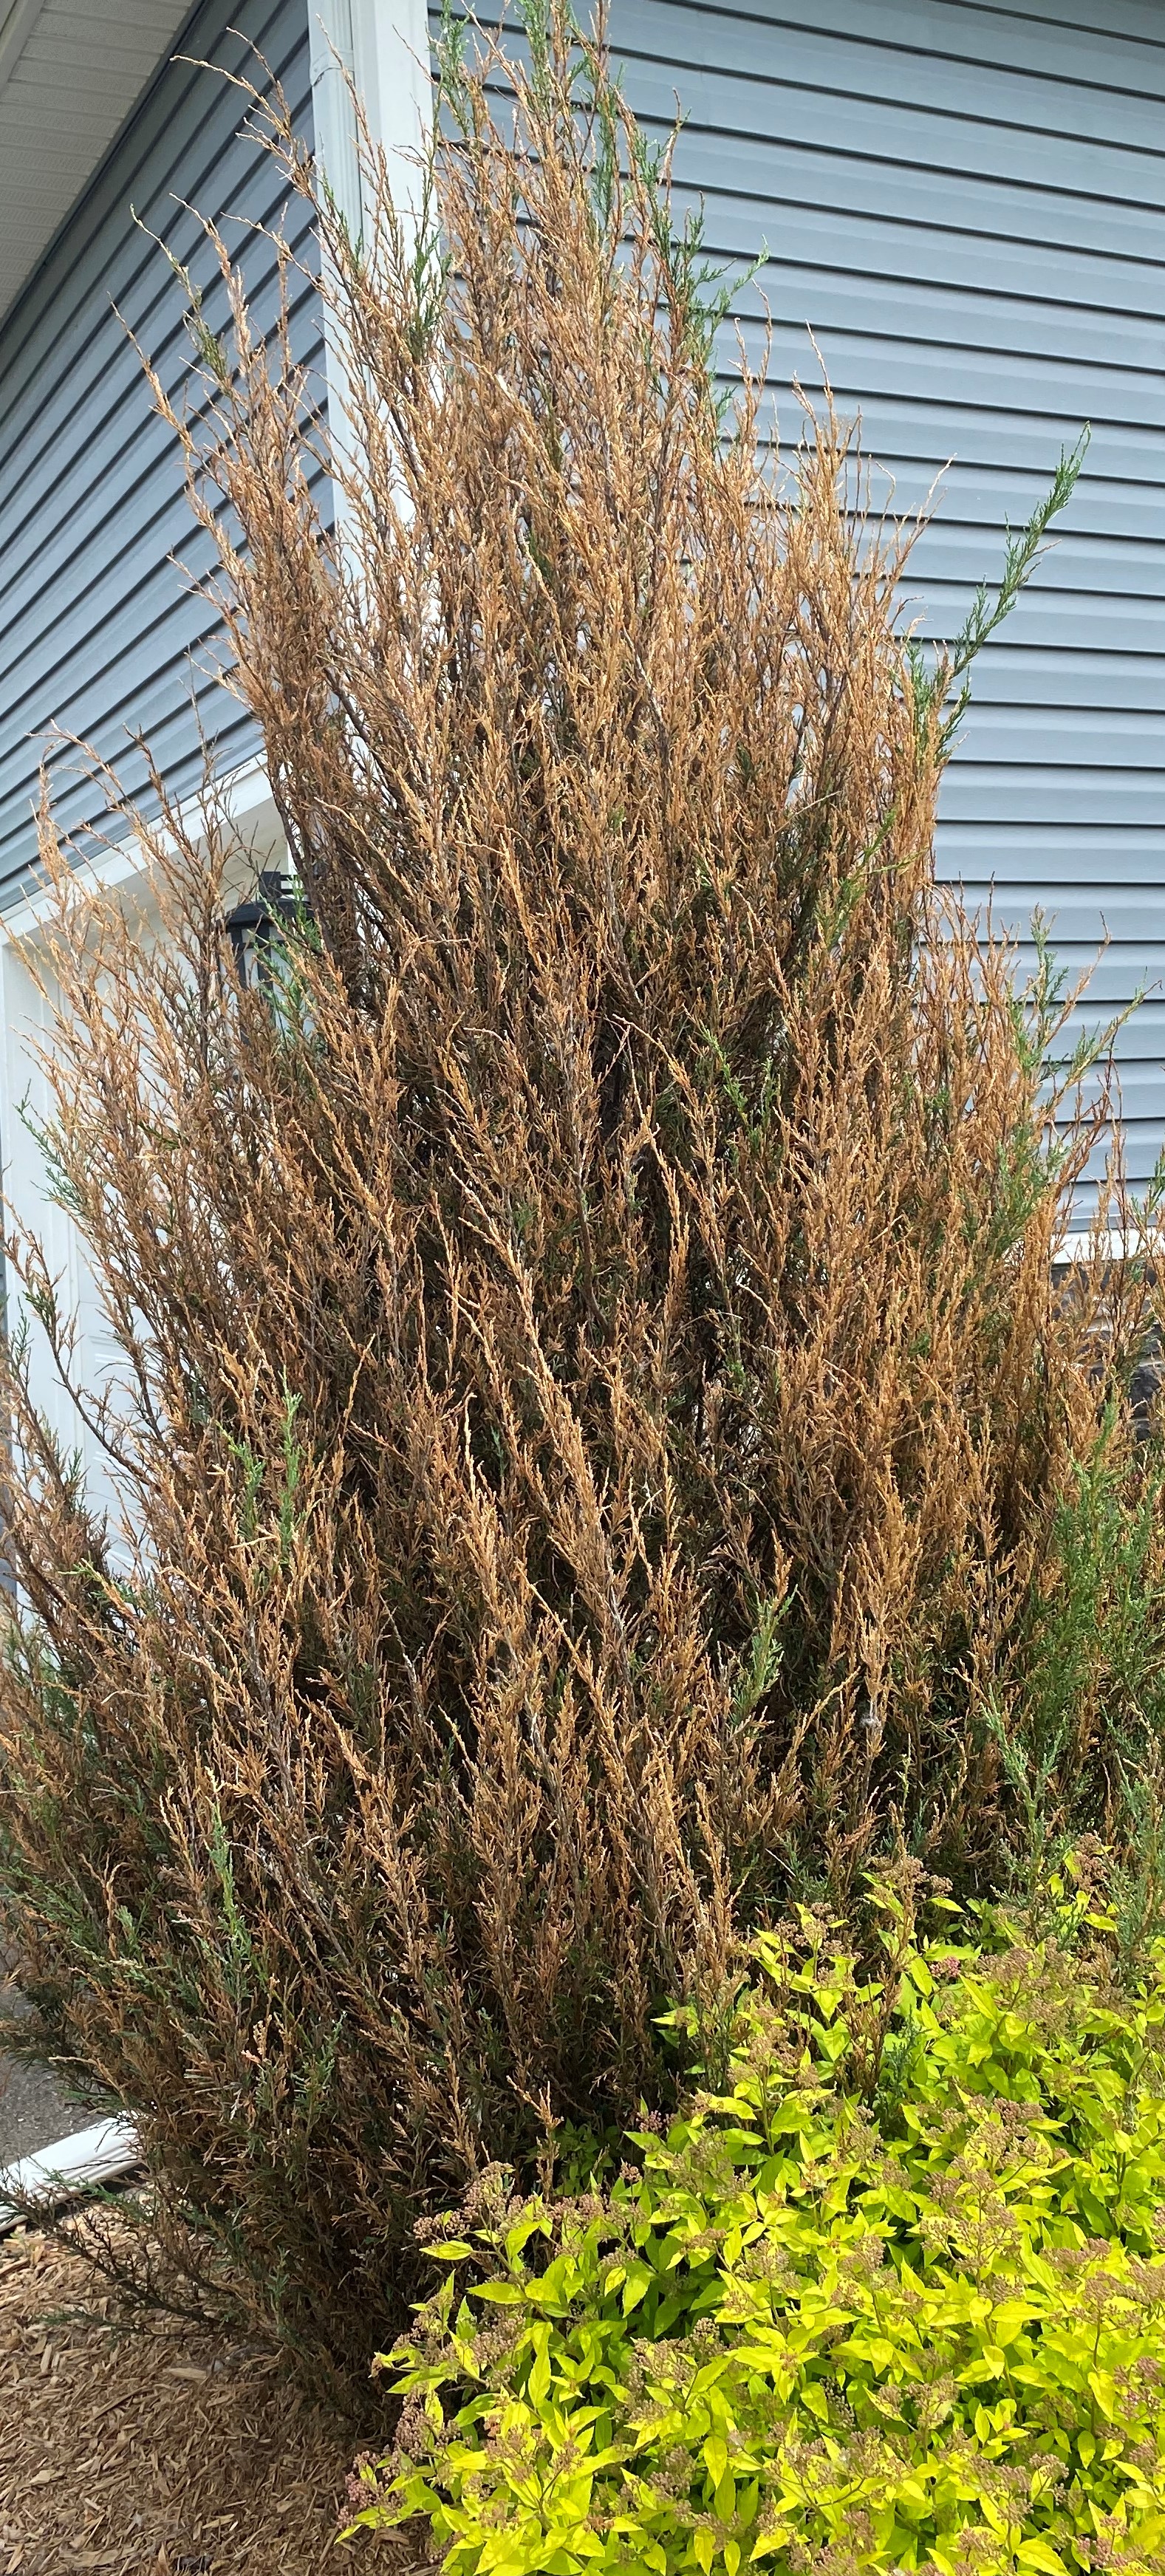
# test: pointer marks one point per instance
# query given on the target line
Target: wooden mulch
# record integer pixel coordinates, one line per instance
(157, 2451)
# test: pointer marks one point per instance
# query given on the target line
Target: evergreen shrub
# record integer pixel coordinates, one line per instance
(598, 1440)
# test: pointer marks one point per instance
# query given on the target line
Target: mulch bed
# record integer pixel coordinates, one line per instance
(157, 2451)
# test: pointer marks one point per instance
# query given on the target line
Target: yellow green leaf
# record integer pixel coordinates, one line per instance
(715, 2457)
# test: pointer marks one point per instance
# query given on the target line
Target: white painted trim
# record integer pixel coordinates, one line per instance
(333, 64)
(121, 875)
(1101, 1243)
(382, 46)
(390, 41)
(74, 2166)
(243, 794)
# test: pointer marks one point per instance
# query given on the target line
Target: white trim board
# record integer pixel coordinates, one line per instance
(381, 47)
(1104, 1243)
(390, 43)
(119, 873)
(245, 795)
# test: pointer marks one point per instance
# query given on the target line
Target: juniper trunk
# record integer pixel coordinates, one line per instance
(598, 1402)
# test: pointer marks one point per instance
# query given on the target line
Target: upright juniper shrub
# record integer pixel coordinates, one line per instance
(603, 1443)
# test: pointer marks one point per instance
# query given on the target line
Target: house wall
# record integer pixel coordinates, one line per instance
(32, 1213)
(966, 204)
(99, 634)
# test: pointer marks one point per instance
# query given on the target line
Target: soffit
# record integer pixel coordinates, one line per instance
(70, 71)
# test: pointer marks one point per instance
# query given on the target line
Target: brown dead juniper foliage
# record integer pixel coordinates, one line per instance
(599, 1412)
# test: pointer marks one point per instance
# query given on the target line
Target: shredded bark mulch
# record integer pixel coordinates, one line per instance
(156, 2451)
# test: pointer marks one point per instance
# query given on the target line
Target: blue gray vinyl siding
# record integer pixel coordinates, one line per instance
(966, 204)
(100, 632)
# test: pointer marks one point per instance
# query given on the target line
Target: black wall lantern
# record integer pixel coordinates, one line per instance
(255, 928)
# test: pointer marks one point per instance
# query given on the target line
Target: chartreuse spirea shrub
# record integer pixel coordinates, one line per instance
(810, 2331)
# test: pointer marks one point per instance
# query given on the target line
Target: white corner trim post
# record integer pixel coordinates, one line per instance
(380, 49)
(390, 62)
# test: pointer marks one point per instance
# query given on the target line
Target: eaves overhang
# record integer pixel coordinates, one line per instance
(70, 71)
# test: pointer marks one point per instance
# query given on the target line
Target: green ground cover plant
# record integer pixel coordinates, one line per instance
(889, 2296)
